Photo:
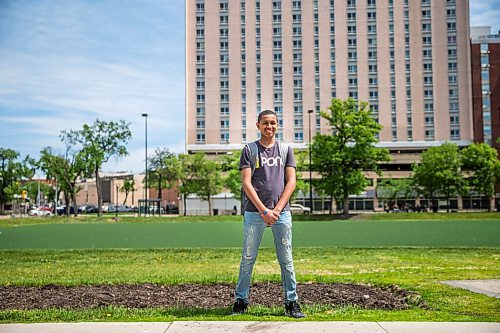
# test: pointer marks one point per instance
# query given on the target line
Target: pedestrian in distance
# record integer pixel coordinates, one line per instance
(268, 177)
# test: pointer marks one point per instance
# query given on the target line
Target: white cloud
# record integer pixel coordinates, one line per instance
(63, 65)
(485, 13)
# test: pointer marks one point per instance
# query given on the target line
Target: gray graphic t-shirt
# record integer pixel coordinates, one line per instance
(269, 176)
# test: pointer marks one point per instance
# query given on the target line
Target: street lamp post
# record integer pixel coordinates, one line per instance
(310, 163)
(116, 204)
(145, 115)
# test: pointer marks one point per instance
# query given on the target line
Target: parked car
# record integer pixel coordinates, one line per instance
(47, 208)
(123, 208)
(109, 209)
(89, 209)
(40, 212)
(299, 209)
(63, 210)
(171, 209)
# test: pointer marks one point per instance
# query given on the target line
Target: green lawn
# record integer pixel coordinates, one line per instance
(356, 233)
(417, 269)
(414, 254)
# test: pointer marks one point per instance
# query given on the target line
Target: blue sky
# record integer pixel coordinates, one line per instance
(64, 63)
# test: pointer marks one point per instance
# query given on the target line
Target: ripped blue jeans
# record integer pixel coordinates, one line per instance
(254, 227)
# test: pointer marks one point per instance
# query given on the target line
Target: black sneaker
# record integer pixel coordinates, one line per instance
(292, 309)
(240, 307)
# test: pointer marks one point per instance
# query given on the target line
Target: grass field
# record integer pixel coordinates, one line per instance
(357, 233)
(413, 254)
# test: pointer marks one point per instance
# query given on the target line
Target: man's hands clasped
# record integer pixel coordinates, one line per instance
(271, 217)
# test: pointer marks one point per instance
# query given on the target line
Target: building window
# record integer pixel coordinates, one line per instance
(224, 98)
(298, 136)
(224, 123)
(371, 15)
(224, 137)
(224, 19)
(224, 7)
(200, 137)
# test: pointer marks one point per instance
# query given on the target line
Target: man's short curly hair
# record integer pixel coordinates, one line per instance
(266, 113)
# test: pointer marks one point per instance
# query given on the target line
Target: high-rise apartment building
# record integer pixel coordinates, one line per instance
(485, 62)
(408, 58)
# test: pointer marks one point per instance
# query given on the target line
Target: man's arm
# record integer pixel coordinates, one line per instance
(246, 179)
(291, 181)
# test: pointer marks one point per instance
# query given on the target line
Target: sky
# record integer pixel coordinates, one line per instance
(65, 63)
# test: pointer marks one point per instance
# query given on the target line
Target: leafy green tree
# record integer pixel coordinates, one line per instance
(66, 170)
(159, 172)
(482, 167)
(230, 167)
(200, 176)
(302, 165)
(187, 178)
(439, 172)
(12, 170)
(127, 187)
(98, 143)
(208, 178)
(46, 191)
(392, 189)
(342, 157)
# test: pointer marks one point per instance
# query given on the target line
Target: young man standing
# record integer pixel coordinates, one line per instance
(268, 176)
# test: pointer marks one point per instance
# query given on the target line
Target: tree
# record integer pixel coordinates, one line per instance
(11, 172)
(207, 177)
(127, 187)
(230, 166)
(65, 170)
(302, 165)
(34, 188)
(165, 170)
(439, 172)
(157, 177)
(482, 167)
(342, 157)
(392, 189)
(98, 143)
(187, 184)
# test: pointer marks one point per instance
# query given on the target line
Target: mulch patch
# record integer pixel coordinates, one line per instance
(211, 296)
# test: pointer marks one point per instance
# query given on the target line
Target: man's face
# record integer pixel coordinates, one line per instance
(268, 125)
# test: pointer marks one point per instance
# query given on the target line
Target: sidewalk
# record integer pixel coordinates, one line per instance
(254, 326)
